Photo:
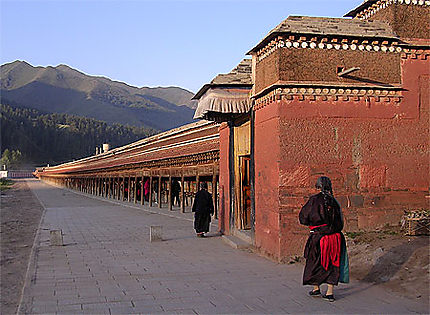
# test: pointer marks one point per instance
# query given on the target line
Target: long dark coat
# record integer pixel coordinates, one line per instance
(317, 212)
(203, 207)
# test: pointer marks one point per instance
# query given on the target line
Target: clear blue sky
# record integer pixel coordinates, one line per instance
(147, 43)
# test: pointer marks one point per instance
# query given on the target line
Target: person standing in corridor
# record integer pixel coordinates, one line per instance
(203, 208)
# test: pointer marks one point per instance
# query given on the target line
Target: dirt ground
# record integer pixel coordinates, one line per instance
(389, 258)
(386, 257)
(20, 216)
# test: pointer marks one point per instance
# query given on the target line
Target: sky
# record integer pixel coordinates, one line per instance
(183, 43)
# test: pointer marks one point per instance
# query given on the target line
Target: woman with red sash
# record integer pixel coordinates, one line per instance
(325, 250)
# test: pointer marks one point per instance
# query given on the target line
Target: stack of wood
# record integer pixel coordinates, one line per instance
(416, 222)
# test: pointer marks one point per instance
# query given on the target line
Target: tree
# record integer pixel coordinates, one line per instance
(6, 158)
(11, 158)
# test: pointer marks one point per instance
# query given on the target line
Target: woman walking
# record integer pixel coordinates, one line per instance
(203, 208)
(325, 250)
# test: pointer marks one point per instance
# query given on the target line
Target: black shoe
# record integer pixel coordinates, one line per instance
(329, 298)
(315, 293)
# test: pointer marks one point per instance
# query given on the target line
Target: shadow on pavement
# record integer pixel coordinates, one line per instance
(207, 235)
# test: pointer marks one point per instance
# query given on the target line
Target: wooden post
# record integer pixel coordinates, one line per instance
(142, 194)
(123, 188)
(135, 189)
(113, 188)
(159, 191)
(150, 191)
(129, 189)
(169, 196)
(214, 195)
(182, 193)
(119, 188)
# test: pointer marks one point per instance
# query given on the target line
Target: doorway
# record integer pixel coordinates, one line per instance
(245, 193)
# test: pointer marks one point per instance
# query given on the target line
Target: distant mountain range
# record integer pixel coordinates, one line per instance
(62, 89)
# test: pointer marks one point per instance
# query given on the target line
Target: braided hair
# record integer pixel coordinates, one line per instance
(330, 204)
(324, 184)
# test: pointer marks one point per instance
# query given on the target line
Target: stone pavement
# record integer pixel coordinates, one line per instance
(108, 266)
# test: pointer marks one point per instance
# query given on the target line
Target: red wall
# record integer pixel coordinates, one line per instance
(267, 159)
(376, 153)
(224, 190)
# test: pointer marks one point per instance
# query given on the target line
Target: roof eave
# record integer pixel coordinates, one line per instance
(360, 8)
(202, 91)
(263, 42)
(208, 86)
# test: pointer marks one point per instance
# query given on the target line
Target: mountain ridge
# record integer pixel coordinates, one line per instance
(63, 89)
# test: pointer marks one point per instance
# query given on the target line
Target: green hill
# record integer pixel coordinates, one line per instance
(55, 138)
(62, 89)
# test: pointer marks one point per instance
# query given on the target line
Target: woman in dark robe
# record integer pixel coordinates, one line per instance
(326, 243)
(203, 208)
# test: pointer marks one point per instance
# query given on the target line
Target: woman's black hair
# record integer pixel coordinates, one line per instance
(324, 184)
(203, 185)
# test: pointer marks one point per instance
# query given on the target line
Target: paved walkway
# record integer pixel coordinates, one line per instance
(108, 266)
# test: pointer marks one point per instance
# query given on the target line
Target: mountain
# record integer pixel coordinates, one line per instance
(62, 89)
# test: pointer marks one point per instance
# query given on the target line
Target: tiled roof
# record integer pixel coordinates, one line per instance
(324, 26)
(194, 138)
(239, 76)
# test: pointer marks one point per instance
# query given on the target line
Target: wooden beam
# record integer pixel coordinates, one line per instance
(347, 71)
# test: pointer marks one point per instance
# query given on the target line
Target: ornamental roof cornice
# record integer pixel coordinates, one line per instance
(369, 7)
(328, 28)
(392, 45)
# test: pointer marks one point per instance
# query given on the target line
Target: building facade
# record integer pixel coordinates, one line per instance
(347, 98)
(344, 98)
